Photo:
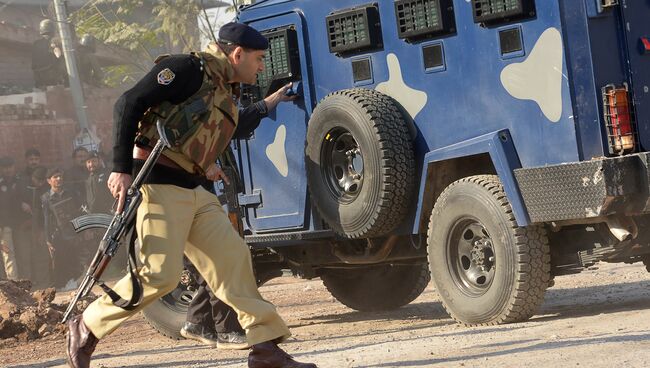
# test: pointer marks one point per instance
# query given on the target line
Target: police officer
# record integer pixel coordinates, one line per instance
(32, 161)
(98, 197)
(39, 257)
(9, 207)
(23, 234)
(89, 70)
(77, 173)
(47, 67)
(177, 216)
(60, 205)
(210, 320)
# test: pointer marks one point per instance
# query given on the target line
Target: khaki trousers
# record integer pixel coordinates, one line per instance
(172, 221)
(9, 258)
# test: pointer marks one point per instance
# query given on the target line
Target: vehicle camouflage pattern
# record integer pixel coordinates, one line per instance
(487, 145)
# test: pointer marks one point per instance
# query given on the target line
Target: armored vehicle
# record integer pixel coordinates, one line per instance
(489, 145)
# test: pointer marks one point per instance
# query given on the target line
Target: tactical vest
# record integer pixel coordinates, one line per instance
(200, 128)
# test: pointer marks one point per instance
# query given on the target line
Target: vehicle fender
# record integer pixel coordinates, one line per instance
(502, 152)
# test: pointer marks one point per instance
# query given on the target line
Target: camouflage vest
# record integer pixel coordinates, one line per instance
(201, 127)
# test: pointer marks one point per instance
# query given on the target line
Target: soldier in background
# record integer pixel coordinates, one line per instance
(32, 235)
(77, 174)
(32, 161)
(22, 233)
(60, 205)
(98, 197)
(8, 208)
(89, 70)
(48, 68)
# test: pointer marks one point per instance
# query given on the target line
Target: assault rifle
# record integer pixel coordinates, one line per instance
(231, 191)
(120, 226)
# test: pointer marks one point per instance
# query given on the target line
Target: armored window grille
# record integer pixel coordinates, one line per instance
(354, 29)
(282, 62)
(423, 18)
(498, 11)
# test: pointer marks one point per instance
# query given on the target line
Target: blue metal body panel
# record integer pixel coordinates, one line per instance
(476, 94)
(284, 194)
(504, 156)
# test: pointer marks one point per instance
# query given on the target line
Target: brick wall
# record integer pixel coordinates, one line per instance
(50, 123)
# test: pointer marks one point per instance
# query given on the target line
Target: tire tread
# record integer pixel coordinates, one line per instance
(396, 157)
(532, 256)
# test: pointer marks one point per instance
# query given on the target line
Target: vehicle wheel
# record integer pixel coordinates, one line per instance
(646, 262)
(168, 313)
(487, 270)
(377, 288)
(360, 165)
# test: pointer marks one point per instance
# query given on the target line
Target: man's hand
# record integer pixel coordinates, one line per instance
(51, 249)
(279, 96)
(118, 184)
(4, 247)
(26, 208)
(215, 173)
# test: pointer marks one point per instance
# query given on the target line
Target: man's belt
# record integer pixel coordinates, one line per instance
(142, 153)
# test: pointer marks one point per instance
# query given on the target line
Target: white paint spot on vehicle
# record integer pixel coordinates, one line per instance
(411, 99)
(277, 153)
(539, 77)
(598, 177)
(590, 212)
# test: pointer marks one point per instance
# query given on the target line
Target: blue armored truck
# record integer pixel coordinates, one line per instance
(489, 145)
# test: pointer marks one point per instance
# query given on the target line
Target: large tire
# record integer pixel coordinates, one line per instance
(377, 288)
(360, 165)
(486, 269)
(168, 313)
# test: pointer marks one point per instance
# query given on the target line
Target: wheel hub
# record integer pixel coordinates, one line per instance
(343, 164)
(186, 278)
(481, 254)
(471, 257)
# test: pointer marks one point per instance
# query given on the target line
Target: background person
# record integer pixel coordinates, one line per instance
(60, 205)
(9, 206)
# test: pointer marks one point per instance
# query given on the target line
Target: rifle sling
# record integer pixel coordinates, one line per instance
(136, 284)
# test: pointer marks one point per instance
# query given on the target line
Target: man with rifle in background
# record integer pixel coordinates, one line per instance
(194, 96)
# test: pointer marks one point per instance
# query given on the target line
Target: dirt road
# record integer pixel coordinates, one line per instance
(600, 318)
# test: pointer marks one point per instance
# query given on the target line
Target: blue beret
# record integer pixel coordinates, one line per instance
(243, 35)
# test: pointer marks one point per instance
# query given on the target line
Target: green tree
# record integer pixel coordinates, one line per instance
(144, 28)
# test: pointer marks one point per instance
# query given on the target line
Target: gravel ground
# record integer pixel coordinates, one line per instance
(598, 318)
